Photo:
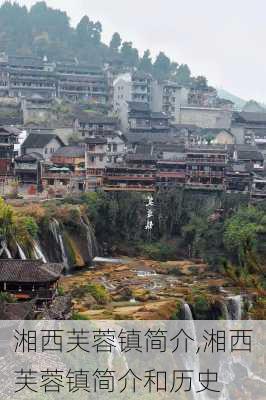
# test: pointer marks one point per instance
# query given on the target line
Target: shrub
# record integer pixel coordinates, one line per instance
(79, 317)
(201, 307)
(159, 251)
(98, 292)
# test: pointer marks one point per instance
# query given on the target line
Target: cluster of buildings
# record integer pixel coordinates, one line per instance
(69, 80)
(151, 134)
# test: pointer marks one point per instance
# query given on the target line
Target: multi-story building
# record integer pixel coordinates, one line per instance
(141, 87)
(167, 97)
(138, 173)
(28, 169)
(82, 82)
(108, 127)
(249, 127)
(8, 139)
(66, 169)
(171, 172)
(205, 165)
(95, 125)
(27, 76)
(95, 161)
(142, 119)
(4, 81)
(44, 144)
(249, 155)
(136, 87)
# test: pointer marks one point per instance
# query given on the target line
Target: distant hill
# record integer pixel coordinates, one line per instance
(239, 103)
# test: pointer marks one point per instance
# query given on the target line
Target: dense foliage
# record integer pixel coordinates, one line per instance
(15, 226)
(221, 229)
(44, 31)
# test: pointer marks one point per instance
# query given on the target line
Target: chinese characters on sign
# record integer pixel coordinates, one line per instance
(149, 208)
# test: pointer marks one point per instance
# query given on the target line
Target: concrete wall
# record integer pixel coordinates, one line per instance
(239, 134)
(205, 117)
(122, 93)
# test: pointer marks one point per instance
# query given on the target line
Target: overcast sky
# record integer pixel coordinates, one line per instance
(223, 40)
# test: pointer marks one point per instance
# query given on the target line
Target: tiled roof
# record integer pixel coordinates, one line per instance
(250, 155)
(39, 140)
(70, 151)
(27, 158)
(96, 140)
(252, 117)
(151, 137)
(29, 271)
(170, 148)
(91, 118)
(140, 157)
(9, 130)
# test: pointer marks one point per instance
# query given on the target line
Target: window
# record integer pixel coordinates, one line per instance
(114, 147)
(101, 158)
(45, 150)
(92, 159)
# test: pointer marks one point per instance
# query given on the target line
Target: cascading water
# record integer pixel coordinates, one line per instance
(191, 360)
(235, 307)
(187, 312)
(21, 252)
(91, 239)
(38, 252)
(57, 234)
(4, 248)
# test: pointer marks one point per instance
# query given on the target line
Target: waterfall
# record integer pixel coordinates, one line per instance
(57, 234)
(187, 312)
(117, 349)
(4, 249)
(38, 252)
(225, 311)
(91, 239)
(191, 359)
(21, 252)
(235, 307)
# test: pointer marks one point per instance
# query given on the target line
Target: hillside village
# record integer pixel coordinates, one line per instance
(68, 127)
(129, 188)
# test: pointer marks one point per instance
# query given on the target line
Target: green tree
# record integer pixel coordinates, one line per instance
(162, 67)
(242, 232)
(130, 55)
(183, 76)
(145, 63)
(115, 42)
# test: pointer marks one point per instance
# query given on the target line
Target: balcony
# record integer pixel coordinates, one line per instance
(171, 174)
(218, 161)
(128, 188)
(112, 177)
(207, 174)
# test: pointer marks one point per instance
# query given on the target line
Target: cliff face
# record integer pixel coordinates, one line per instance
(64, 235)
